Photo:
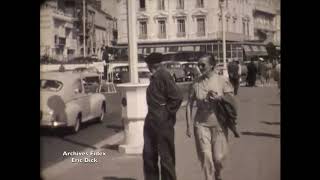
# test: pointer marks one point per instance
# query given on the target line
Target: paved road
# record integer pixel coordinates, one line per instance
(256, 155)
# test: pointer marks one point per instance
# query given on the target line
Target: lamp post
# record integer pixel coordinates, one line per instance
(134, 103)
(225, 72)
(84, 27)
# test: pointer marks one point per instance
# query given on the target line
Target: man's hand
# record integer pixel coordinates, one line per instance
(212, 96)
(189, 134)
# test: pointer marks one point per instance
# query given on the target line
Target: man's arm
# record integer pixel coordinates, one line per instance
(189, 110)
(173, 94)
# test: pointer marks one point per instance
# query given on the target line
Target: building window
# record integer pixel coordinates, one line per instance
(180, 4)
(200, 3)
(248, 28)
(161, 5)
(162, 29)
(201, 27)
(234, 26)
(142, 4)
(142, 30)
(181, 28)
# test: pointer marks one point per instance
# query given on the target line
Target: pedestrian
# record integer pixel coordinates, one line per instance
(105, 58)
(234, 75)
(252, 73)
(268, 72)
(210, 132)
(278, 75)
(164, 99)
(261, 71)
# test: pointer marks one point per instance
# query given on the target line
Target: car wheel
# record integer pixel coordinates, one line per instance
(101, 117)
(77, 125)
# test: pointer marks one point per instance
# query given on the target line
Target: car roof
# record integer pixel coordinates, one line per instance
(65, 77)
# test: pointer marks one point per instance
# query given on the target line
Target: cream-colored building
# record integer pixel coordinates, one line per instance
(188, 25)
(267, 21)
(61, 32)
(57, 33)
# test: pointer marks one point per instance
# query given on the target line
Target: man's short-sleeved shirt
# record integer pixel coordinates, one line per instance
(206, 113)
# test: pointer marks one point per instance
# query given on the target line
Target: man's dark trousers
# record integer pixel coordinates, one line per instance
(235, 83)
(159, 141)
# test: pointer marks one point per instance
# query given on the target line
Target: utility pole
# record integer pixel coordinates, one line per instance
(133, 50)
(84, 27)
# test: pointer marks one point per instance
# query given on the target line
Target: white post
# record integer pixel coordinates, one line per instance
(132, 38)
(225, 73)
(134, 103)
(84, 27)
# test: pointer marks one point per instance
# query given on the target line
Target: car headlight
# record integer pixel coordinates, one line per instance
(50, 112)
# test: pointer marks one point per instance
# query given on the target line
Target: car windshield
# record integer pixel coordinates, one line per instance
(50, 85)
(144, 74)
(174, 65)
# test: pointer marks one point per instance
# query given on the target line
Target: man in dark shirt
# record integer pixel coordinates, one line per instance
(163, 99)
(234, 76)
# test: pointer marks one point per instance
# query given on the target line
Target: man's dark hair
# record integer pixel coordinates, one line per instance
(211, 58)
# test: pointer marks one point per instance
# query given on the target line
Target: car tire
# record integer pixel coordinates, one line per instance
(77, 125)
(102, 114)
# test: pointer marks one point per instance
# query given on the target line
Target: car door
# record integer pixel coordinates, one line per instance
(92, 88)
(82, 99)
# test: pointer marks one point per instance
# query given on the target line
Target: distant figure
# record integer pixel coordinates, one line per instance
(277, 76)
(268, 72)
(62, 68)
(252, 74)
(261, 71)
(105, 58)
(234, 75)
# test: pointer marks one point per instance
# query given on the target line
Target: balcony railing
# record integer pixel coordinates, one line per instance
(181, 34)
(143, 36)
(162, 35)
(201, 34)
(230, 36)
(263, 7)
(268, 27)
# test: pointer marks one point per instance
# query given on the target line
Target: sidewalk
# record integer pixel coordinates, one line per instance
(255, 156)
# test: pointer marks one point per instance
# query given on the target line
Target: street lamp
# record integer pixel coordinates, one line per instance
(225, 72)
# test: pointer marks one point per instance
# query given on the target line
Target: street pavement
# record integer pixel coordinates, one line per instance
(255, 155)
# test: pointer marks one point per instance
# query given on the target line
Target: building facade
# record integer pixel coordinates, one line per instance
(61, 29)
(189, 25)
(266, 15)
(57, 33)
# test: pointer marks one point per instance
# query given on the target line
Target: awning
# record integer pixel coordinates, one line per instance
(187, 48)
(254, 50)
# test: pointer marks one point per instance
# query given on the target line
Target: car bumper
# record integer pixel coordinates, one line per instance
(53, 124)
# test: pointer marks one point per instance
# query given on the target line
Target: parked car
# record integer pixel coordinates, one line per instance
(191, 70)
(176, 70)
(121, 74)
(68, 99)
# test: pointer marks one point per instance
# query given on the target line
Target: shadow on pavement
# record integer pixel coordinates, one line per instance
(116, 128)
(274, 104)
(261, 134)
(116, 178)
(77, 143)
(114, 147)
(270, 123)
